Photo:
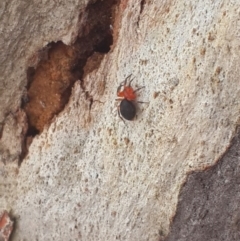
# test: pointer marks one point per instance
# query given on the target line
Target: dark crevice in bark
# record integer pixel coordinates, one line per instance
(50, 83)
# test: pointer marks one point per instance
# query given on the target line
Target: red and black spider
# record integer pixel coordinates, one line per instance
(127, 95)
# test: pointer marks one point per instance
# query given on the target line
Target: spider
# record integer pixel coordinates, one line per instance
(127, 95)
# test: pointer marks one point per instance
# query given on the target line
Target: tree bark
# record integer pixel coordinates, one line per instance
(85, 174)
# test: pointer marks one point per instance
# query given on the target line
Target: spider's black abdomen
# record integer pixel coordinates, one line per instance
(127, 109)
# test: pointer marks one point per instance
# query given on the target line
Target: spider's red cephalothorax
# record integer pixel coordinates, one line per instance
(127, 95)
(127, 92)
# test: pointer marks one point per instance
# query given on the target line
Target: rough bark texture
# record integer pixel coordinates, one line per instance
(87, 174)
(208, 206)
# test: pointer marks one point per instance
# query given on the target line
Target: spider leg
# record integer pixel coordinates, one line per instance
(125, 81)
(129, 84)
(120, 115)
(119, 87)
(138, 89)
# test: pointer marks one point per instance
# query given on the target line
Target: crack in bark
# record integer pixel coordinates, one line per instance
(50, 83)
